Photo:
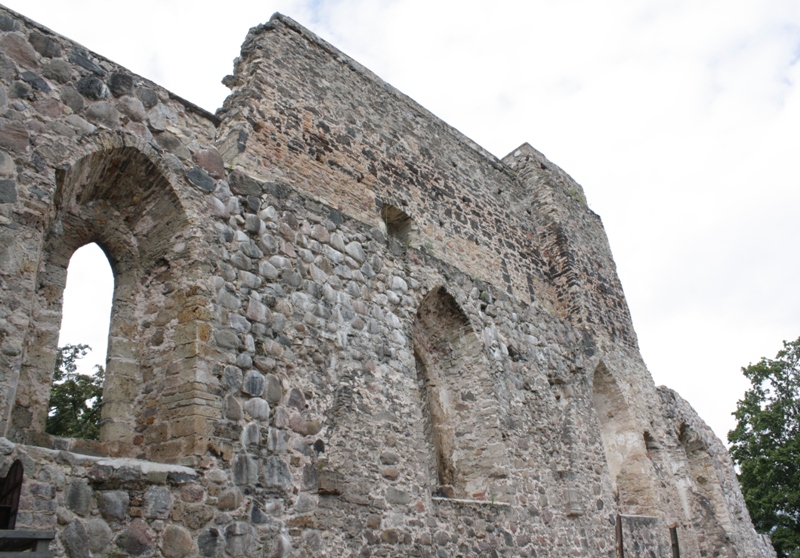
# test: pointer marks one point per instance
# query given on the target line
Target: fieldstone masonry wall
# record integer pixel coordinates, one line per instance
(340, 328)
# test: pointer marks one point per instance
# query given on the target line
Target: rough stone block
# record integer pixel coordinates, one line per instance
(138, 539)
(114, 505)
(157, 503)
(78, 497)
(176, 542)
(75, 540)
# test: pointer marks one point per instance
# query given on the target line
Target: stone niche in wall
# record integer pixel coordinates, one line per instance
(452, 369)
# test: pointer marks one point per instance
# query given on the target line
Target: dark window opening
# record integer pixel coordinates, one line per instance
(450, 363)
(398, 224)
(709, 508)
(437, 430)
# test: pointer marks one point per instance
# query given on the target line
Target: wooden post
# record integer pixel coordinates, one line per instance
(673, 536)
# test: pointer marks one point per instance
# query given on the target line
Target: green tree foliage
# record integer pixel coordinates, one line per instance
(75, 398)
(766, 447)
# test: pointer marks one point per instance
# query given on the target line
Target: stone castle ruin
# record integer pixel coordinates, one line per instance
(339, 328)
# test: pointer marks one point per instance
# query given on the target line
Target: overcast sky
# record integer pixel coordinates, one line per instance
(680, 118)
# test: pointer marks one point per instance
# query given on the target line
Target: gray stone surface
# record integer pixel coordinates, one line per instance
(281, 547)
(201, 179)
(13, 136)
(196, 516)
(8, 23)
(20, 90)
(35, 81)
(58, 70)
(78, 497)
(92, 88)
(121, 83)
(157, 503)
(233, 408)
(232, 377)
(132, 108)
(44, 45)
(257, 408)
(251, 435)
(81, 57)
(137, 539)
(16, 47)
(240, 539)
(72, 98)
(211, 161)
(114, 505)
(8, 191)
(230, 499)
(273, 391)
(80, 125)
(209, 542)
(176, 542)
(98, 535)
(277, 473)
(245, 469)
(253, 383)
(394, 496)
(103, 114)
(75, 540)
(296, 399)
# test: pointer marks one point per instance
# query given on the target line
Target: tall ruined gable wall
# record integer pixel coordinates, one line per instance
(332, 377)
(316, 118)
(341, 135)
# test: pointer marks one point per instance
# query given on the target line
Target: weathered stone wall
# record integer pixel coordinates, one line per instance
(712, 496)
(358, 332)
(94, 153)
(642, 536)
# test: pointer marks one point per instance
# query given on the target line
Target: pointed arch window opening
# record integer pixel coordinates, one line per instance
(121, 197)
(86, 317)
(398, 223)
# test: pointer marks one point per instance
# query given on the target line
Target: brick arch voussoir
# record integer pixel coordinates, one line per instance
(109, 140)
(122, 172)
(102, 143)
